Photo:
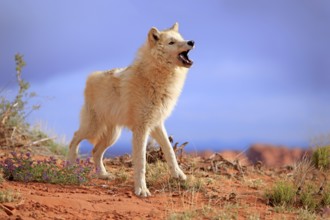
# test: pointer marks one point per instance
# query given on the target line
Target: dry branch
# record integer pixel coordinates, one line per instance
(40, 141)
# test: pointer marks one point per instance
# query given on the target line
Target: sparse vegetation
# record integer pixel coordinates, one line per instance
(158, 176)
(321, 157)
(254, 183)
(304, 214)
(186, 215)
(230, 211)
(14, 129)
(9, 196)
(307, 198)
(122, 175)
(308, 189)
(21, 167)
(1, 177)
(325, 201)
(301, 170)
(55, 147)
(281, 194)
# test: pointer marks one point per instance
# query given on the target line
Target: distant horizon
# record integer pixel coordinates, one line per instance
(124, 147)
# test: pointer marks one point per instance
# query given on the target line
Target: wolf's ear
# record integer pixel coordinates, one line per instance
(153, 35)
(175, 27)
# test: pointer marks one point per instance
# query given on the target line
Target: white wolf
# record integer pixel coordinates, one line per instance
(139, 97)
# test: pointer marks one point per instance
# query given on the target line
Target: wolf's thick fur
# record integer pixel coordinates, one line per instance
(139, 97)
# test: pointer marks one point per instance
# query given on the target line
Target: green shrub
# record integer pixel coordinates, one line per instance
(308, 199)
(282, 194)
(13, 113)
(326, 197)
(14, 130)
(321, 157)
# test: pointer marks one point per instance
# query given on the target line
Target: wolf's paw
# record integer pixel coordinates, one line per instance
(106, 176)
(142, 191)
(178, 174)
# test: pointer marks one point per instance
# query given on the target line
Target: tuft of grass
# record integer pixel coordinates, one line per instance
(9, 196)
(122, 175)
(58, 148)
(281, 194)
(325, 201)
(158, 175)
(1, 177)
(301, 170)
(321, 157)
(230, 211)
(191, 184)
(254, 216)
(304, 214)
(308, 199)
(54, 146)
(186, 215)
(21, 167)
(254, 183)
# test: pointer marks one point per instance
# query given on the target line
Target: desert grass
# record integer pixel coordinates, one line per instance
(321, 157)
(122, 176)
(281, 194)
(304, 214)
(9, 196)
(306, 191)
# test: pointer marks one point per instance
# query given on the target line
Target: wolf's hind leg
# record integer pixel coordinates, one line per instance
(108, 138)
(73, 147)
(88, 128)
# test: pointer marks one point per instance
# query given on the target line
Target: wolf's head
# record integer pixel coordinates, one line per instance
(168, 47)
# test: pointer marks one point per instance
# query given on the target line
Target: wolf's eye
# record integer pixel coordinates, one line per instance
(171, 43)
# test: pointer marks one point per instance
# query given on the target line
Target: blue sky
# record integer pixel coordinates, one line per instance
(261, 70)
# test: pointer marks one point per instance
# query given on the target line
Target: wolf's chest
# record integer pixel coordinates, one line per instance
(162, 98)
(159, 101)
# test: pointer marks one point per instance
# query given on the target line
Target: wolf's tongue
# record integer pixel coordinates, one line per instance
(184, 57)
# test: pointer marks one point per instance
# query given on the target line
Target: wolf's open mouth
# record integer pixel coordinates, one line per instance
(183, 57)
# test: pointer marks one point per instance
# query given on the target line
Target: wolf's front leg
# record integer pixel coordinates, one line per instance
(139, 162)
(160, 135)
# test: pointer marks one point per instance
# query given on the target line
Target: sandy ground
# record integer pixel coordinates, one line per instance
(235, 191)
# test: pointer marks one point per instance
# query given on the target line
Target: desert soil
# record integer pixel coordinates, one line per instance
(231, 190)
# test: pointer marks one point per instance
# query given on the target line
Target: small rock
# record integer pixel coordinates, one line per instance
(325, 212)
(128, 194)
(18, 217)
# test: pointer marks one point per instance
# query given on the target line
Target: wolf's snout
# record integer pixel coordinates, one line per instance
(191, 43)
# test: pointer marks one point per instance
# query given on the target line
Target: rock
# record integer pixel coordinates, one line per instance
(272, 155)
(325, 212)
